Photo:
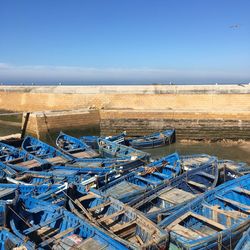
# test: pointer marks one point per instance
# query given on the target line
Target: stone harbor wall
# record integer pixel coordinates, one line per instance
(197, 112)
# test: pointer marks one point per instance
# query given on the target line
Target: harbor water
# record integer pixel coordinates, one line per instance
(231, 150)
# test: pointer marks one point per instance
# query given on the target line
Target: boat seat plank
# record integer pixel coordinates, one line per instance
(232, 202)
(92, 209)
(196, 184)
(164, 176)
(46, 232)
(6, 191)
(186, 232)
(210, 176)
(208, 221)
(145, 180)
(177, 221)
(57, 237)
(107, 217)
(15, 160)
(232, 214)
(43, 224)
(242, 190)
(176, 196)
(2, 156)
(56, 159)
(75, 150)
(30, 164)
(119, 227)
(87, 197)
(82, 155)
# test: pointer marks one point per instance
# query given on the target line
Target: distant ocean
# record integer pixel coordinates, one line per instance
(112, 84)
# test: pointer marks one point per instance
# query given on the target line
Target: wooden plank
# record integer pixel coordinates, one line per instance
(63, 233)
(111, 216)
(176, 196)
(232, 214)
(140, 241)
(82, 155)
(123, 226)
(186, 232)
(92, 209)
(181, 218)
(242, 190)
(14, 160)
(210, 176)
(84, 210)
(127, 233)
(235, 203)
(56, 159)
(196, 184)
(87, 197)
(208, 221)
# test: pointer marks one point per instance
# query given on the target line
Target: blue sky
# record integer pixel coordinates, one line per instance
(131, 41)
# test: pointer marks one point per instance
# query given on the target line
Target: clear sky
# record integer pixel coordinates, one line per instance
(124, 41)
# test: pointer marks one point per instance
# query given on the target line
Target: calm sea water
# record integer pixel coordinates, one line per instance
(231, 151)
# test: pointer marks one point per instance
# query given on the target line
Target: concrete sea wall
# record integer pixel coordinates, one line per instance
(197, 112)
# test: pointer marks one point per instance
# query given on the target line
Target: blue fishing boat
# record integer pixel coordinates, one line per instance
(92, 141)
(110, 149)
(244, 243)
(6, 171)
(168, 197)
(50, 177)
(46, 226)
(240, 167)
(20, 160)
(189, 162)
(215, 220)
(74, 147)
(154, 140)
(122, 222)
(10, 241)
(231, 169)
(102, 167)
(146, 178)
(44, 151)
(52, 193)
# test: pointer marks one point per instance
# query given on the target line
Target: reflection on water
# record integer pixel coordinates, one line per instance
(231, 151)
(7, 130)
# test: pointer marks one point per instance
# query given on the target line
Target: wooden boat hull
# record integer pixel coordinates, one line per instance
(20, 160)
(167, 198)
(10, 241)
(120, 221)
(155, 140)
(92, 141)
(217, 218)
(189, 162)
(244, 242)
(144, 179)
(113, 150)
(51, 227)
(74, 147)
(44, 151)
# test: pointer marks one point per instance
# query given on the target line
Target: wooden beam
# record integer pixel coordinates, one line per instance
(186, 232)
(208, 221)
(111, 216)
(92, 209)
